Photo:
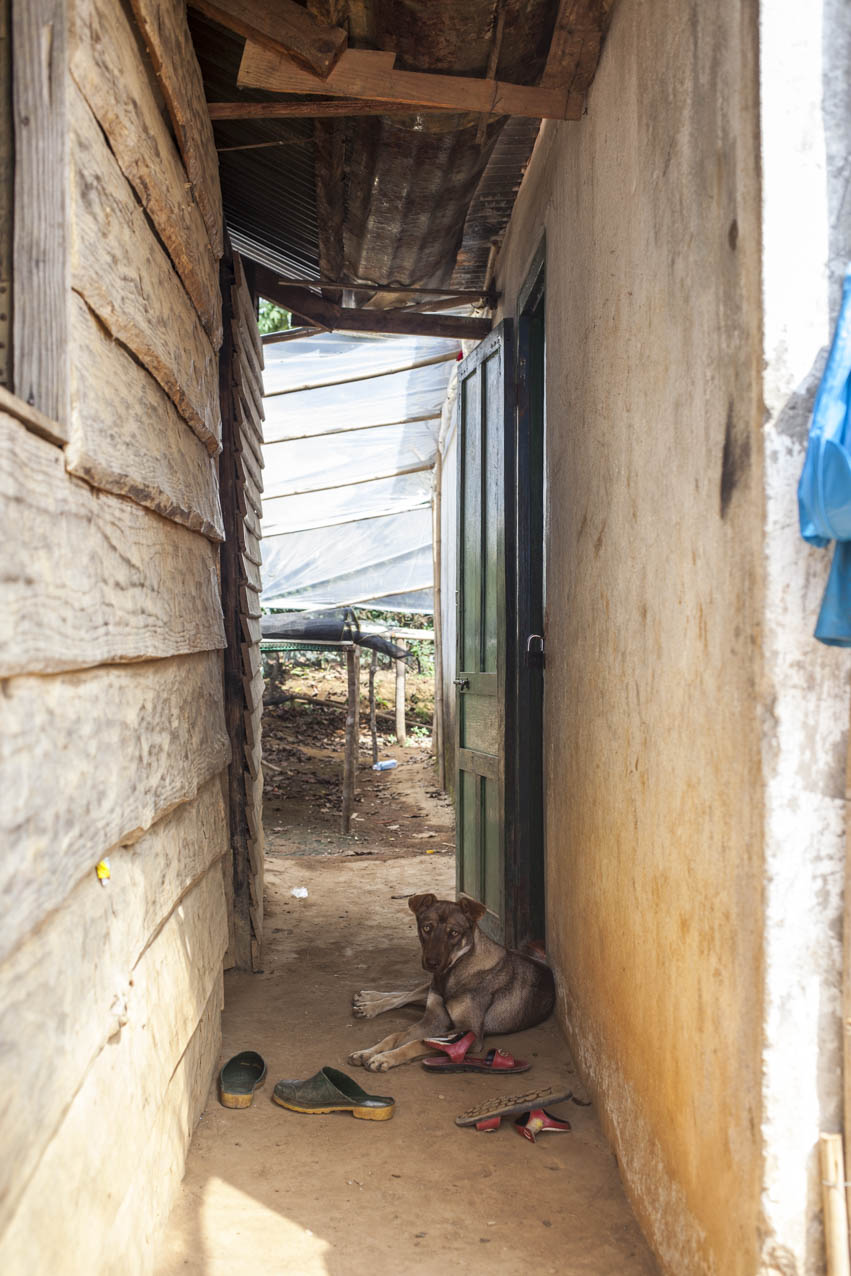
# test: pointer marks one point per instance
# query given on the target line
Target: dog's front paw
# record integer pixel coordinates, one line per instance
(359, 1058)
(378, 1063)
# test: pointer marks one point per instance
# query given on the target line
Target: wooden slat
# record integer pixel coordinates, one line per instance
(247, 308)
(281, 26)
(106, 63)
(246, 349)
(253, 757)
(250, 572)
(147, 735)
(166, 33)
(90, 578)
(250, 652)
(250, 545)
(252, 413)
(172, 986)
(480, 763)
(247, 375)
(250, 474)
(54, 431)
(127, 279)
(249, 602)
(250, 516)
(76, 968)
(248, 438)
(252, 727)
(315, 109)
(575, 50)
(308, 305)
(251, 629)
(365, 74)
(253, 690)
(42, 226)
(128, 438)
(160, 1167)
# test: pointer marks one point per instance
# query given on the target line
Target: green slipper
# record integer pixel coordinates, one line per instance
(332, 1091)
(239, 1078)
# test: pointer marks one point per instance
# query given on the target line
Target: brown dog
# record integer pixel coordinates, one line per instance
(476, 986)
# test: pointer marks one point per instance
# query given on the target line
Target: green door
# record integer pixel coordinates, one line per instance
(484, 601)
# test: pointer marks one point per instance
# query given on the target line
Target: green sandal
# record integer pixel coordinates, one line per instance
(333, 1091)
(239, 1078)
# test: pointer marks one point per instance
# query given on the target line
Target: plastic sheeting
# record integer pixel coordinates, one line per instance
(348, 470)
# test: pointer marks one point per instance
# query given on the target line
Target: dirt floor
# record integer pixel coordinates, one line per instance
(269, 1192)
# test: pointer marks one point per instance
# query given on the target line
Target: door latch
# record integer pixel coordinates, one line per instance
(462, 683)
(535, 658)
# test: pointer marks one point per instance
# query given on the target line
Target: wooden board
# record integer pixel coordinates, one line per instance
(106, 64)
(127, 279)
(7, 202)
(90, 578)
(253, 757)
(166, 33)
(42, 229)
(362, 73)
(250, 476)
(248, 439)
(575, 50)
(248, 512)
(249, 601)
(111, 1117)
(250, 629)
(282, 26)
(54, 431)
(76, 970)
(246, 349)
(250, 545)
(250, 572)
(248, 310)
(143, 1214)
(89, 761)
(251, 382)
(251, 416)
(253, 686)
(127, 437)
(250, 653)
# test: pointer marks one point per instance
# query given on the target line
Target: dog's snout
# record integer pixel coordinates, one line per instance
(431, 963)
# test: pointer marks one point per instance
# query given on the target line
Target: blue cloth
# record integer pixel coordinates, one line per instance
(824, 492)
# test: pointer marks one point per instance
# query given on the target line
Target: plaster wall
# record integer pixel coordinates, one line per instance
(805, 94)
(655, 568)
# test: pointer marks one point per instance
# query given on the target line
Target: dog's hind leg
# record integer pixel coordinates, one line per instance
(369, 1003)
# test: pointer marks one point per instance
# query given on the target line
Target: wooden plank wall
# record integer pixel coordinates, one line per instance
(113, 736)
(242, 485)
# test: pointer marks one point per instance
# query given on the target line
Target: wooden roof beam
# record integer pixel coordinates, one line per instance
(368, 75)
(577, 40)
(282, 27)
(317, 310)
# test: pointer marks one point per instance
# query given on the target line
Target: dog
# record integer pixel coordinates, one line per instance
(475, 985)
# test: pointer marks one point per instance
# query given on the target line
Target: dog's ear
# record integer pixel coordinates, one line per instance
(471, 908)
(418, 902)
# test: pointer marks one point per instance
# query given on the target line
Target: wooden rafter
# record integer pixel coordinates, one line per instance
(575, 50)
(318, 108)
(364, 74)
(283, 27)
(325, 314)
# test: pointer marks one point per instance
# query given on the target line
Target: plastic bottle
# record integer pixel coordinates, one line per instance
(385, 766)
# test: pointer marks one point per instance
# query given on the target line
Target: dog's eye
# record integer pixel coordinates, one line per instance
(453, 934)
(428, 928)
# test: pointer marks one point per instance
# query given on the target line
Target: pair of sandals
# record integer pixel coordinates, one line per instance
(328, 1090)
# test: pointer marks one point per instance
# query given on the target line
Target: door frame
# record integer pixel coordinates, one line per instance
(524, 806)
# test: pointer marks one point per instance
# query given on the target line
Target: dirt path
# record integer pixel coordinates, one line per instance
(272, 1193)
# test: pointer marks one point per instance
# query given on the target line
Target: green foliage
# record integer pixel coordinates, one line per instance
(272, 318)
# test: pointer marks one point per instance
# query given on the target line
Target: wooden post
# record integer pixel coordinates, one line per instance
(350, 757)
(832, 1166)
(373, 665)
(437, 543)
(401, 735)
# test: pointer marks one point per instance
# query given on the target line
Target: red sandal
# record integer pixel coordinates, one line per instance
(539, 1121)
(457, 1060)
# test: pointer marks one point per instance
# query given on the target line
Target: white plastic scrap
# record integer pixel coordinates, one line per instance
(299, 892)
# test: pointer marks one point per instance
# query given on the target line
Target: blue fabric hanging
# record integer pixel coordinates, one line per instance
(824, 492)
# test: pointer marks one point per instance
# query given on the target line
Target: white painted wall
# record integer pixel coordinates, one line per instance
(805, 90)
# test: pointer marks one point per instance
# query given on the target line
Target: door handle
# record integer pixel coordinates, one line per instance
(462, 684)
(535, 658)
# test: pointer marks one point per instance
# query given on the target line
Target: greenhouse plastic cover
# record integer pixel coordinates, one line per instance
(348, 469)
